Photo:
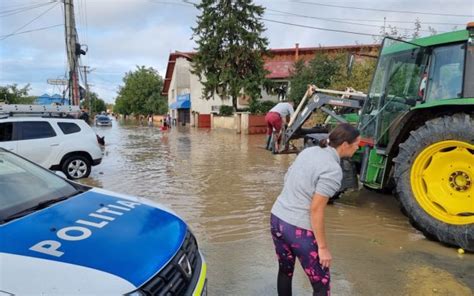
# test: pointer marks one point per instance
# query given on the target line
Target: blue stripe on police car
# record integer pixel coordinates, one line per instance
(118, 236)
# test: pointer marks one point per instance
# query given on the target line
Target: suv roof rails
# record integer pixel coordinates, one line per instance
(9, 110)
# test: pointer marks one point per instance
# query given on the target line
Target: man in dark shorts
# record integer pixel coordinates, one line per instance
(275, 119)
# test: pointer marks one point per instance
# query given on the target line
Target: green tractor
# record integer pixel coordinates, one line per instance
(417, 125)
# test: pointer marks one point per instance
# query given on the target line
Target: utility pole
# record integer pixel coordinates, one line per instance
(72, 52)
(88, 103)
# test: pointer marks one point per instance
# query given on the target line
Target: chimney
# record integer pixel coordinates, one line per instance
(297, 51)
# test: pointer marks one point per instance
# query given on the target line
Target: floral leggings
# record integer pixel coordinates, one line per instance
(290, 242)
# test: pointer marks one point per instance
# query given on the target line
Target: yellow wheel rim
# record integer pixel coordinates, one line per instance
(442, 180)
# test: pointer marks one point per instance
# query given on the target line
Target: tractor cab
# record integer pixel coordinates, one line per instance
(408, 75)
(413, 82)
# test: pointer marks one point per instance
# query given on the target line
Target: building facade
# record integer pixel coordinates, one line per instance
(184, 91)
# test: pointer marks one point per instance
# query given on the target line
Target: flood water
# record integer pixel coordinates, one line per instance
(224, 185)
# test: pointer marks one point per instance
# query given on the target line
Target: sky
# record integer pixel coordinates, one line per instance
(121, 34)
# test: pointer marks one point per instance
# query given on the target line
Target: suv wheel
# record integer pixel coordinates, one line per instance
(76, 167)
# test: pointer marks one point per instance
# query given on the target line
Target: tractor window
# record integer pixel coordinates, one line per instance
(401, 92)
(372, 102)
(394, 89)
(446, 72)
(404, 80)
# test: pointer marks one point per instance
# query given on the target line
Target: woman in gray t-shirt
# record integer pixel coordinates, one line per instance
(297, 220)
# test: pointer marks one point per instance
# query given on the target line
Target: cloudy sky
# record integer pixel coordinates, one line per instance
(121, 34)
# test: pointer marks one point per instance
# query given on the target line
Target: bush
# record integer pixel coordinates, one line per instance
(258, 107)
(226, 110)
(265, 106)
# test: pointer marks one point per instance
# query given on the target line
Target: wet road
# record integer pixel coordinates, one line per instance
(224, 185)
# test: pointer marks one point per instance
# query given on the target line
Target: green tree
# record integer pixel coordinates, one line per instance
(330, 71)
(325, 68)
(97, 104)
(141, 93)
(13, 94)
(322, 70)
(122, 107)
(360, 77)
(230, 46)
(300, 78)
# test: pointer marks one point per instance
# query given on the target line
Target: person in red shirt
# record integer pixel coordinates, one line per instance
(275, 119)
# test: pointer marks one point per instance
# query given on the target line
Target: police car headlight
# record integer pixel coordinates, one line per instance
(134, 293)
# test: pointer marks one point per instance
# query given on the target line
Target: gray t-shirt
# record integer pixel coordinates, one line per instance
(315, 170)
(284, 109)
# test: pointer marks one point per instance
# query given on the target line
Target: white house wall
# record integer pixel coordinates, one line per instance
(172, 94)
(198, 103)
(182, 70)
(183, 82)
(268, 97)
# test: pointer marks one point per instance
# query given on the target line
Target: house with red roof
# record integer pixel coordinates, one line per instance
(184, 91)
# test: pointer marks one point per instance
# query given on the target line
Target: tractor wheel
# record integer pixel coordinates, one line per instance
(434, 174)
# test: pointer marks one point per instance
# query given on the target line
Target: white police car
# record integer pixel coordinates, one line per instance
(62, 238)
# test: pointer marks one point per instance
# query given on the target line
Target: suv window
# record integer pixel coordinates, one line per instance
(69, 127)
(28, 130)
(6, 131)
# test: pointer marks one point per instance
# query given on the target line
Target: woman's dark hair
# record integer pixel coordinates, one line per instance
(344, 132)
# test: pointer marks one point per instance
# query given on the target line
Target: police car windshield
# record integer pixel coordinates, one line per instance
(24, 185)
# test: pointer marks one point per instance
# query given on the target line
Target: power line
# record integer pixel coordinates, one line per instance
(337, 21)
(34, 19)
(382, 21)
(10, 12)
(28, 31)
(322, 29)
(170, 3)
(13, 8)
(190, 2)
(103, 79)
(384, 10)
(65, 39)
(81, 25)
(87, 28)
(400, 22)
(79, 19)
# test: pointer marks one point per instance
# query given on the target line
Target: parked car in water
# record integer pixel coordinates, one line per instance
(103, 120)
(67, 145)
(62, 238)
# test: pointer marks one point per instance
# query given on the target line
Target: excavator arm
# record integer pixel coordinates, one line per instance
(317, 99)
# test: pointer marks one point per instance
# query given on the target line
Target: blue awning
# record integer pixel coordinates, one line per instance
(174, 105)
(183, 102)
(45, 99)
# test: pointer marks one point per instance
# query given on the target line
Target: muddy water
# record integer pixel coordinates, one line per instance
(224, 185)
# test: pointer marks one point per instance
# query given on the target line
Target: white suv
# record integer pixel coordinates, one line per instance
(68, 145)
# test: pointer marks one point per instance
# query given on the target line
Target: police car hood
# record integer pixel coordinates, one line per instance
(134, 242)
